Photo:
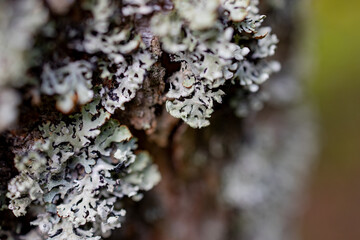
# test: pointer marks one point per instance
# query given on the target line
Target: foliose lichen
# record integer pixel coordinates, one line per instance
(75, 175)
(78, 172)
(222, 42)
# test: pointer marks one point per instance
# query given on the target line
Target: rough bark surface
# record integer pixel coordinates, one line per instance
(189, 202)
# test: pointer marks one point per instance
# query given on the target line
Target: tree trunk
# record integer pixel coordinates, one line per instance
(239, 178)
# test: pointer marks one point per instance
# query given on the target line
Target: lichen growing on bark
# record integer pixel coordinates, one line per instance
(96, 70)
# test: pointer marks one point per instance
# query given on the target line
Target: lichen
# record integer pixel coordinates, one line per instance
(98, 62)
(221, 42)
(77, 172)
(71, 82)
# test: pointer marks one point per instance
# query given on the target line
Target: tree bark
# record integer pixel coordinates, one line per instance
(239, 178)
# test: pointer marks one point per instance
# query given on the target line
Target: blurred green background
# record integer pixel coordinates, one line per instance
(332, 210)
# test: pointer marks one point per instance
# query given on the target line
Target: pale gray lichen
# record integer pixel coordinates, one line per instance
(128, 78)
(140, 7)
(217, 40)
(236, 10)
(211, 46)
(81, 168)
(251, 75)
(72, 83)
(78, 172)
(75, 175)
(122, 46)
(265, 46)
(201, 14)
(109, 44)
(199, 106)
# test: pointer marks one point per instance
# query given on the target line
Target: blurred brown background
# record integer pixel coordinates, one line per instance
(332, 210)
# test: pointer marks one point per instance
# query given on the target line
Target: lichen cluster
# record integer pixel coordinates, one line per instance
(216, 43)
(78, 171)
(92, 63)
